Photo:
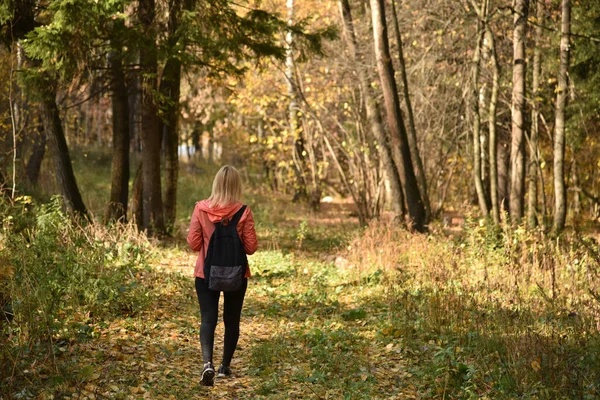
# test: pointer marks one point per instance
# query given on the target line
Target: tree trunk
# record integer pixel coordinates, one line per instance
(373, 113)
(137, 204)
(412, 131)
(517, 152)
(196, 140)
(89, 116)
(134, 99)
(60, 152)
(210, 145)
(576, 189)
(535, 119)
(477, 167)
(560, 196)
(492, 128)
(170, 88)
(37, 156)
(416, 210)
(503, 158)
(119, 192)
(153, 220)
(295, 130)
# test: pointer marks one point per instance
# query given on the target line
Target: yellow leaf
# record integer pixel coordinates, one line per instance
(536, 366)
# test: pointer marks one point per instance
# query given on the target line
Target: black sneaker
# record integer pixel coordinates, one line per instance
(224, 372)
(208, 375)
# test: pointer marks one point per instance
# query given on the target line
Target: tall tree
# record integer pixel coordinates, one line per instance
(560, 196)
(152, 204)
(535, 118)
(493, 140)
(412, 130)
(373, 111)
(63, 168)
(119, 191)
(477, 162)
(294, 121)
(399, 140)
(42, 82)
(518, 114)
(170, 85)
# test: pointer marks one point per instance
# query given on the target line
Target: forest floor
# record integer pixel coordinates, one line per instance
(333, 310)
(308, 329)
(337, 312)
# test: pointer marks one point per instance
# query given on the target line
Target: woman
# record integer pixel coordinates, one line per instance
(223, 203)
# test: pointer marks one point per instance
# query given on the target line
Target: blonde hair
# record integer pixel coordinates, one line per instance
(227, 187)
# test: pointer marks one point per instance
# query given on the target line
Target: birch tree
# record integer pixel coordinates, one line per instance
(560, 197)
(517, 153)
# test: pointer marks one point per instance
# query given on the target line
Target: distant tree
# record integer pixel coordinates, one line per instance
(492, 122)
(373, 111)
(403, 159)
(412, 130)
(170, 89)
(518, 111)
(560, 197)
(482, 15)
(532, 194)
(300, 191)
(119, 190)
(153, 214)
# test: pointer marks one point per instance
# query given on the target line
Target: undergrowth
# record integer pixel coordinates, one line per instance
(60, 279)
(497, 313)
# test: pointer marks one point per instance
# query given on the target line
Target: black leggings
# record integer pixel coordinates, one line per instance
(209, 309)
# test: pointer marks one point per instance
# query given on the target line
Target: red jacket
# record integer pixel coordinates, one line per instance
(202, 226)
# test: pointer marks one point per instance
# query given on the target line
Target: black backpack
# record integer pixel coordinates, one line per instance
(226, 261)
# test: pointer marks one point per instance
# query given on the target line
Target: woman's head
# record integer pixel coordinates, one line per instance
(227, 187)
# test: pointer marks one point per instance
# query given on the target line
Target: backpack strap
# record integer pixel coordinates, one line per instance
(238, 215)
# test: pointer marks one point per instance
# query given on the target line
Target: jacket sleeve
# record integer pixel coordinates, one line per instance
(194, 237)
(249, 234)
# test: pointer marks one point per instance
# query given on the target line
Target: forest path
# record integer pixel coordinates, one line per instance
(309, 329)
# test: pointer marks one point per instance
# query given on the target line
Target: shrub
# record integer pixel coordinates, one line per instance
(59, 276)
